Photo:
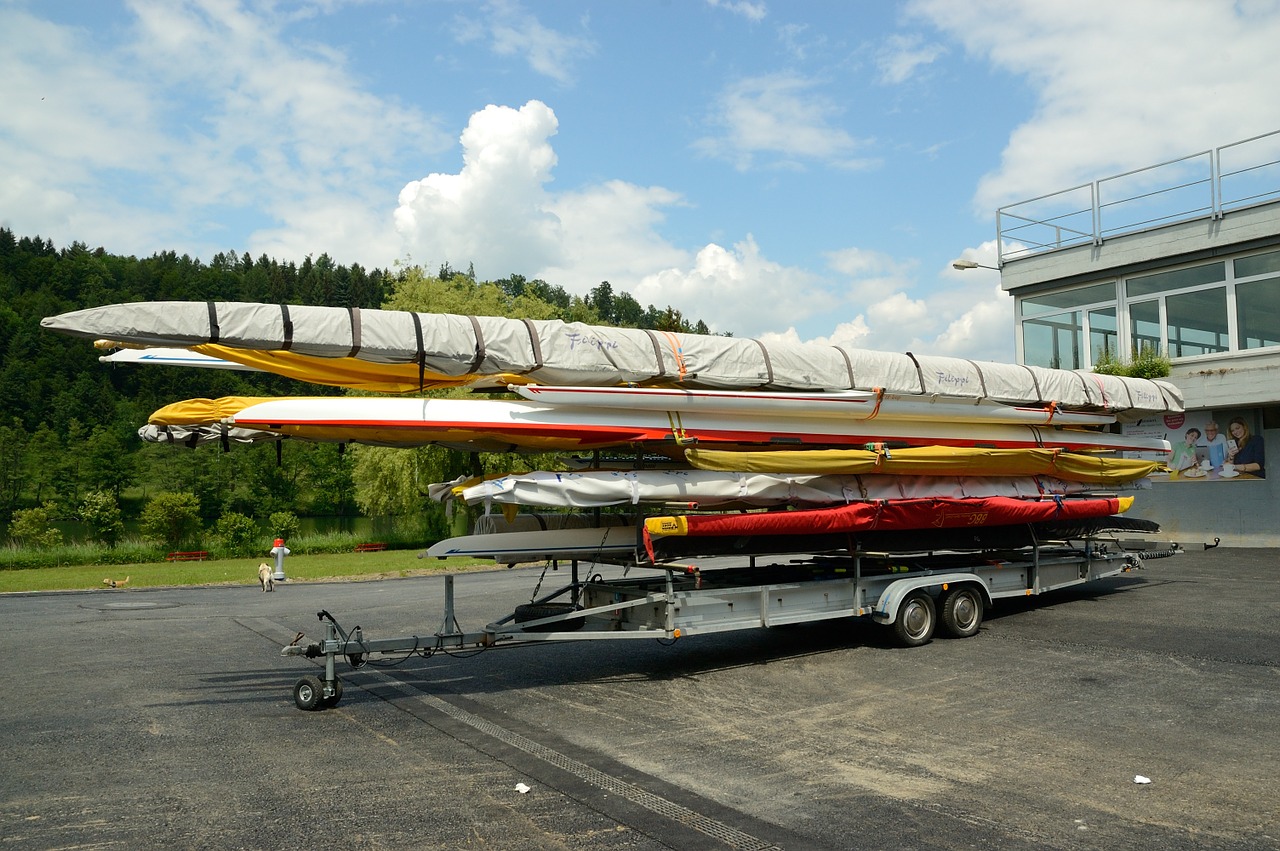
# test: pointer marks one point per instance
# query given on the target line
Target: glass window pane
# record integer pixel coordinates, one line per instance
(1258, 264)
(1051, 302)
(1144, 325)
(1258, 313)
(1164, 282)
(1197, 323)
(1103, 338)
(1053, 341)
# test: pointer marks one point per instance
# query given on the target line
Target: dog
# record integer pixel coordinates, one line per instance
(116, 583)
(264, 577)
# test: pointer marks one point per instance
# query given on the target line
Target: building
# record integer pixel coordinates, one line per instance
(1181, 259)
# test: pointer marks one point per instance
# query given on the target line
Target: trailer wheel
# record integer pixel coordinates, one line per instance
(537, 611)
(961, 612)
(915, 622)
(308, 693)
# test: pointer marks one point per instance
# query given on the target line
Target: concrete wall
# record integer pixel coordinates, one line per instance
(1242, 513)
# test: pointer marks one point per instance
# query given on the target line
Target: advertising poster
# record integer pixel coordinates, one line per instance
(1208, 445)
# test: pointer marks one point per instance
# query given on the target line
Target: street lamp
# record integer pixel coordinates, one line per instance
(962, 264)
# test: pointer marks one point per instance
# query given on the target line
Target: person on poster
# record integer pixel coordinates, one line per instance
(1217, 444)
(1184, 454)
(1248, 454)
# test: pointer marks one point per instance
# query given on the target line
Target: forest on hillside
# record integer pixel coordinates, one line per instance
(68, 424)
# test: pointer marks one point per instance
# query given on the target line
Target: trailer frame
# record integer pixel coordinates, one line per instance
(914, 594)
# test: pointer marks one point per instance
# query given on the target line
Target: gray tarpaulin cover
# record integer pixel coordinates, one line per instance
(567, 353)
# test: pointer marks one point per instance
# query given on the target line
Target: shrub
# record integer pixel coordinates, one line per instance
(30, 527)
(238, 535)
(1145, 363)
(101, 513)
(284, 524)
(172, 519)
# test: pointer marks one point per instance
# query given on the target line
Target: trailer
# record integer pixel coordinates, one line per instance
(915, 594)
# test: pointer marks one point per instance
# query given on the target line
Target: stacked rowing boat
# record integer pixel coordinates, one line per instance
(796, 447)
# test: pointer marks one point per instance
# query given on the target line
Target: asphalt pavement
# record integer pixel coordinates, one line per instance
(165, 718)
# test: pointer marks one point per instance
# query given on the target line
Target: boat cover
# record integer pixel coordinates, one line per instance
(706, 489)
(450, 348)
(931, 513)
(930, 460)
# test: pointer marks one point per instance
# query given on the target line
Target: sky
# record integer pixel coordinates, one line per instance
(803, 170)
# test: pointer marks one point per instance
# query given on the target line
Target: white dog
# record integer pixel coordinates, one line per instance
(264, 577)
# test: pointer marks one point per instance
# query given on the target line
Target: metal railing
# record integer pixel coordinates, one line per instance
(1207, 184)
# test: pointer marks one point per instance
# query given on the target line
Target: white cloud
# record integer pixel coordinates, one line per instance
(738, 290)
(753, 10)
(495, 211)
(902, 55)
(499, 213)
(782, 117)
(512, 31)
(967, 316)
(1120, 85)
(110, 157)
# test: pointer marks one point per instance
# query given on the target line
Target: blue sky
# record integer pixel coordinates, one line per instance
(799, 170)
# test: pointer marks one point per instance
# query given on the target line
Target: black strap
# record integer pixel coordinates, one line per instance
(354, 313)
(535, 342)
(422, 354)
(480, 352)
(848, 364)
(768, 364)
(657, 353)
(214, 331)
(919, 371)
(288, 328)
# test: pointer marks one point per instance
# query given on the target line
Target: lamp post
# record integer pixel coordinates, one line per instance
(962, 264)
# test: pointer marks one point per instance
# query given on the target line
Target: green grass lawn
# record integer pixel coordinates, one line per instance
(239, 571)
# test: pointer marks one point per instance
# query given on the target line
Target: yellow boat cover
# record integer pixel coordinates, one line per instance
(929, 461)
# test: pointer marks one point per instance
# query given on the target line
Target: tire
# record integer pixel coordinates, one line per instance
(308, 693)
(537, 611)
(916, 620)
(962, 611)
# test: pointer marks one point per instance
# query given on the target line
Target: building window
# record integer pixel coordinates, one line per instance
(1104, 337)
(1196, 323)
(1053, 341)
(1163, 282)
(1199, 311)
(1144, 326)
(1258, 313)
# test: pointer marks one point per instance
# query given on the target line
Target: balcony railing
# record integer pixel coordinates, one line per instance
(1208, 184)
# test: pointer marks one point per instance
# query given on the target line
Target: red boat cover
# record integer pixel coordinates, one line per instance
(935, 513)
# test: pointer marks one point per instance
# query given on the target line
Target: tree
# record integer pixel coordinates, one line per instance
(100, 512)
(31, 528)
(172, 519)
(238, 535)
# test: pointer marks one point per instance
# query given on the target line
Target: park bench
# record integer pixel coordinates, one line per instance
(370, 548)
(195, 555)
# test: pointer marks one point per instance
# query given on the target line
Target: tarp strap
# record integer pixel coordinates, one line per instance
(848, 364)
(535, 342)
(982, 381)
(354, 313)
(768, 364)
(1035, 383)
(287, 342)
(1084, 383)
(422, 353)
(214, 330)
(919, 371)
(480, 352)
(657, 354)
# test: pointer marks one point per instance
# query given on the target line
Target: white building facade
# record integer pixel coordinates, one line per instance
(1182, 258)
